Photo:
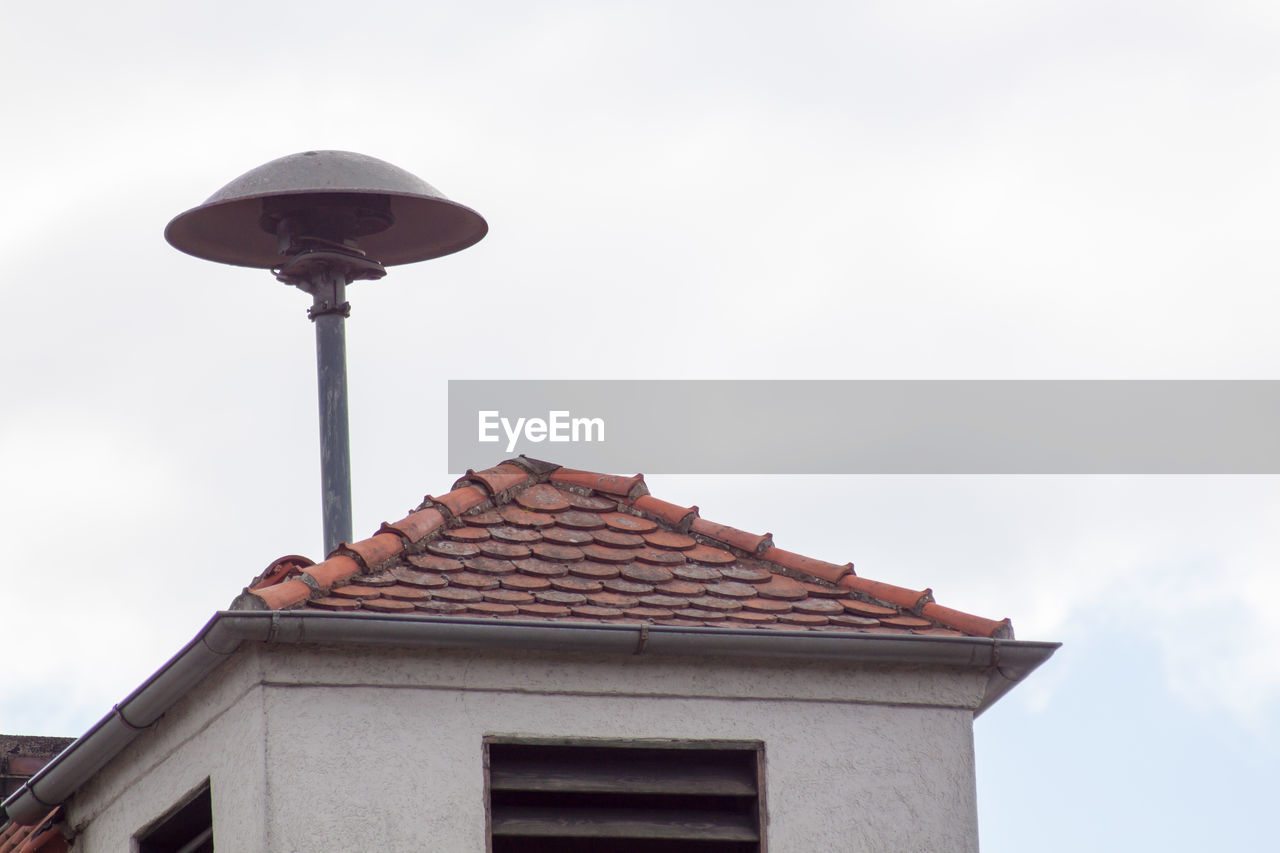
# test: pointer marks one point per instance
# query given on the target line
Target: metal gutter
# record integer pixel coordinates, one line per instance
(1007, 661)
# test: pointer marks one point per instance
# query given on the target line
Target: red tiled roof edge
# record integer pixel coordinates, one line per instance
(500, 483)
(43, 836)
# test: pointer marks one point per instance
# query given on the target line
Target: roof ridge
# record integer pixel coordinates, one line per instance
(288, 582)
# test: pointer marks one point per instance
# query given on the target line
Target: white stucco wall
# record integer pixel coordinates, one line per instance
(316, 749)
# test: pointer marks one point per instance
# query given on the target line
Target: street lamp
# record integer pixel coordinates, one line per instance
(320, 220)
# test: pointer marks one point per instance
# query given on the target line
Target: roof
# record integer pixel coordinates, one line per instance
(42, 836)
(532, 540)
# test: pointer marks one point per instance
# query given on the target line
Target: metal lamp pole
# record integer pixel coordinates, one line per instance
(321, 220)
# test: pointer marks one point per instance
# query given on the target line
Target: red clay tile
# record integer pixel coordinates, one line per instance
(821, 591)
(819, 606)
(592, 611)
(612, 599)
(565, 536)
(579, 520)
(331, 571)
(609, 484)
(568, 583)
(649, 612)
(782, 588)
(542, 568)
(559, 553)
(660, 600)
(445, 548)
(747, 574)
(731, 589)
(354, 590)
(808, 619)
(866, 608)
(507, 596)
(850, 621)
(387, 605)
(499, 478)
(707, 602)
(906, 622)
(658, 557)
(752, 543)
(329, 602)
(434, 563)
(488, 518)
(552, 596)
(624, 523)
(504, 550)
(682, 587)
(515, 535)
(707, 555)
(542, 498)
(938, 632)
(829, 572)
(646, 574)
(669, 541)
(908, 598)
(968, 623)
(422, 580)
(592, 569)
(439, 607)
(456, 594)
(590, 503)
(523, 518)
(281, 569)
(695, 614)
(767, 605)
(460, 500)
(548, 610)
(524, 583)
(467, 534)
(492, 608)
(602, 554)
(473, 580)
(750, 616)
(679, 517)
(375, 550)
(284, 594)
(618, 539)
(489, 566)
(627, 587)
(401, 592)
(697, 573)
(417, 525)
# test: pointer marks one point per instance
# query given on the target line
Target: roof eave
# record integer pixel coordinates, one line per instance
(1007, 661)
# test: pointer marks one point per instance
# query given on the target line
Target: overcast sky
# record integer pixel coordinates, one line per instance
(873, 190)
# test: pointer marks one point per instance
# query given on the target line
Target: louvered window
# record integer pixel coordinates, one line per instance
(674, 797)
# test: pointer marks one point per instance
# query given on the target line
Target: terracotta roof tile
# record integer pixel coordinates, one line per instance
(44, 836)
(497, 479)
(527, 540)
(417, 525)
(609, 484)
(679, 517)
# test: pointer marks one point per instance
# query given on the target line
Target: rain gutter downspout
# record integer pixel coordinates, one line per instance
(1006, 661)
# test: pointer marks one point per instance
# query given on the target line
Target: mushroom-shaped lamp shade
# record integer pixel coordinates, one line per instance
(395, 217)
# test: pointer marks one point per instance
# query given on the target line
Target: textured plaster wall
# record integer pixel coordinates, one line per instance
(313, 750)
(215, 733)
(383, 751)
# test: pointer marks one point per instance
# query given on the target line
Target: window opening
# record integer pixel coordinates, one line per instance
(186, 829)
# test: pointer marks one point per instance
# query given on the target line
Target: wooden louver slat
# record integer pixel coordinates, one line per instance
(622, 823)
